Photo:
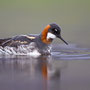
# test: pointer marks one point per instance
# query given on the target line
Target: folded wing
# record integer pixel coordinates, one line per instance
(17, 40)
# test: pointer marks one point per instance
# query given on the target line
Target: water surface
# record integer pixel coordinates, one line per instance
(68, 68)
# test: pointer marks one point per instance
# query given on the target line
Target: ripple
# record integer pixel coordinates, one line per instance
(59, 52)
(71, 52)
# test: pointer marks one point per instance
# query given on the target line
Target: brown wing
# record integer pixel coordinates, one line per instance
(18, 40)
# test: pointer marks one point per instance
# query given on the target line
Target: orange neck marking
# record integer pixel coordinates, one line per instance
(44, 35)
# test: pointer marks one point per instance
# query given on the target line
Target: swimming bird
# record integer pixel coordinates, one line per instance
(32, 44)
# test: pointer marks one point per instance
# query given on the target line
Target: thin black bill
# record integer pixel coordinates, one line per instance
(62, 40)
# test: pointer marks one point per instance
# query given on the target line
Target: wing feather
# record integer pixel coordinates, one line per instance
(18, 40)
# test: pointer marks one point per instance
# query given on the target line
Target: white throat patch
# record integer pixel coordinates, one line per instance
(50, 35)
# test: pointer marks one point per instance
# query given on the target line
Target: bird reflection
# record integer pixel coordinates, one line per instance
(42, 65)
(42, 68)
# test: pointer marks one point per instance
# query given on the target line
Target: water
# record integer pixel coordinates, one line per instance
(68, 68)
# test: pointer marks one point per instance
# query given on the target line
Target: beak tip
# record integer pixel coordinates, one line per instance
(63, 40)
(66, 43)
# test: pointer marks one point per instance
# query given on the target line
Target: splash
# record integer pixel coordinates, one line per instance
(30, 49)
(20, 50)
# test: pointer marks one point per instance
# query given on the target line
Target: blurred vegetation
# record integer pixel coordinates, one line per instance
(31, 16)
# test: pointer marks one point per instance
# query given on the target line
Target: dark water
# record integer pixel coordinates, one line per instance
(68, 68)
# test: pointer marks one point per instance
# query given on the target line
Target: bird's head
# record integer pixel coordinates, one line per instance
(51, 32)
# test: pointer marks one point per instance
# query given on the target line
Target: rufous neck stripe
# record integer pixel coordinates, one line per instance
(44, 35)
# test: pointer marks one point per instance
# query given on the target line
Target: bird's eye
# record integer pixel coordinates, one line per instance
(55, 31)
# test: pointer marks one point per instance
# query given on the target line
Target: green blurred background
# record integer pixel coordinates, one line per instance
(31, 16)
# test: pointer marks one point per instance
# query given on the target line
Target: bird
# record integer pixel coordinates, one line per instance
(32, 44)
